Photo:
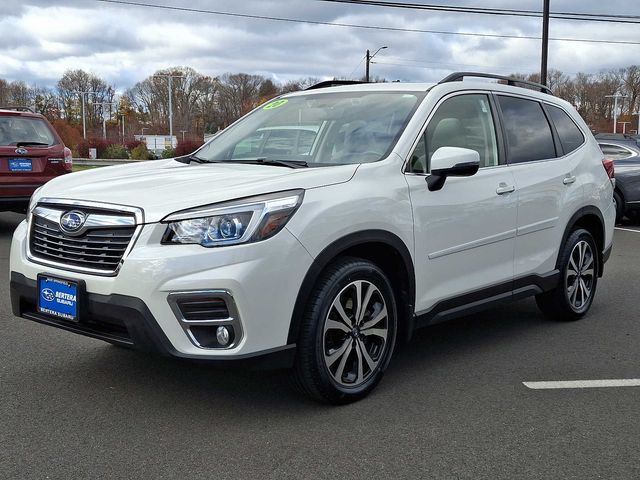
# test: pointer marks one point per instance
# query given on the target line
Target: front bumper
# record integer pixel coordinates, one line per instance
(128, 322)
(133, 307)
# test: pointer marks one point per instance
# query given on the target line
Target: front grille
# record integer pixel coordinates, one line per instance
(99, 249)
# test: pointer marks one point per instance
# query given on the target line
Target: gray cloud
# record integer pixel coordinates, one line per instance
(124, 44)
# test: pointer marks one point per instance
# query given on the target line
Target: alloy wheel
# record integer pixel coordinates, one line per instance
(355, 333)
(580, 275)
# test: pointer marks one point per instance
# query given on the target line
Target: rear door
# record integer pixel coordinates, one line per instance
(546, 178)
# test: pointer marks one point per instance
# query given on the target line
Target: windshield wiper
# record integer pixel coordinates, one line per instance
(192, 158)
(32, 144)
(275, 163)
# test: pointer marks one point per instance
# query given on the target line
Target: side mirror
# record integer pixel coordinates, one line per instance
(451, 162)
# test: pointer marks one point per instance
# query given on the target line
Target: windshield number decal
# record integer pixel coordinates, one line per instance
(276, 104)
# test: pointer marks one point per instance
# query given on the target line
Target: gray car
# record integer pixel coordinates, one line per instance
(626, 159)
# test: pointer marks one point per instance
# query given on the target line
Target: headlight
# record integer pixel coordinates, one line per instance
(242, 221)
(32, 203)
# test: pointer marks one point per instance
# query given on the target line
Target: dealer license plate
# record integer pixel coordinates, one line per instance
(58, 297)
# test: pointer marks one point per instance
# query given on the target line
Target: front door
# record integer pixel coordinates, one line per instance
(465, 232)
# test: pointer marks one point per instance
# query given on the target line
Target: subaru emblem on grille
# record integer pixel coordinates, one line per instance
(72, 221)
(21, 151)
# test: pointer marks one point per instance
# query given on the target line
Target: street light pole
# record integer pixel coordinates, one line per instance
(368, 61)
(84, 123)
(104, 118)
(170, 79)
(615, 97)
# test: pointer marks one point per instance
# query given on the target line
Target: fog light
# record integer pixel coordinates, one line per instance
(222, 335)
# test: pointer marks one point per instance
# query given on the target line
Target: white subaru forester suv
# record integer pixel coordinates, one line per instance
(321, 229)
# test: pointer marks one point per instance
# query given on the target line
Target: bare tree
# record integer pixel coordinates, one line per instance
(239, 93)
(74, 81)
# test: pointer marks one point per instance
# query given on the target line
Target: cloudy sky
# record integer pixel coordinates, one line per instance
(124, 44)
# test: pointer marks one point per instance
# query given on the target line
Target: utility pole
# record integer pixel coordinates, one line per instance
(122, 115)
(615, 97)
(104, 118)
(170, 78)
(545, 42)
(84, 123)
(369, 57)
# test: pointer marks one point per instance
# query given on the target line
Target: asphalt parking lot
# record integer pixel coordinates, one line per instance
(452, 405)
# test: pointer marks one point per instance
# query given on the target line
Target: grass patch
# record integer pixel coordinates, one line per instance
(79, 168)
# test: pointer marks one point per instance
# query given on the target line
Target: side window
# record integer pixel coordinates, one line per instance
(614, 152)
(570, 135)
(529, 136)
(463, 121)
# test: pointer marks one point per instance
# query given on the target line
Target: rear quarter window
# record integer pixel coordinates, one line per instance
(570, 135)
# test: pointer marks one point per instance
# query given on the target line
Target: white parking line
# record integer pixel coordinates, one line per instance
(627, 229)
(623, 382)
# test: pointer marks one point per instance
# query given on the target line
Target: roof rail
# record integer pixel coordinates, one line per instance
(18, 109)
(514, 82)
(333, 83)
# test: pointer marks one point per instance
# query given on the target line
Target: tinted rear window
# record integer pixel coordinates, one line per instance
(528, 133)
(15, 129)
(570, 135)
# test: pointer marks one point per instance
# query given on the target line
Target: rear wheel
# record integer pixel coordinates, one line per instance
(347, 334)
(573, 296)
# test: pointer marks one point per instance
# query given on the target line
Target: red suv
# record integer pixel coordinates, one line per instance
(31, 153)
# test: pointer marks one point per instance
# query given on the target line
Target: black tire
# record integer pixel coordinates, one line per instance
(320, 343)
(564, 303)
(619, 204)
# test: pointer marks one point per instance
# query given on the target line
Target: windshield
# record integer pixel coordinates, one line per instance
(16, 129)
(318, 129)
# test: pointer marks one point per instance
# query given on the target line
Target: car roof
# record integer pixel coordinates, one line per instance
(368, 87)
(19, 113)
(425, 87)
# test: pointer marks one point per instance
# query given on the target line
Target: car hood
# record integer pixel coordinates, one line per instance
(161, 187)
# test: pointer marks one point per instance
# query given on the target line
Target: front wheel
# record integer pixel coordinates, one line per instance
(347, 334)
(579, 267)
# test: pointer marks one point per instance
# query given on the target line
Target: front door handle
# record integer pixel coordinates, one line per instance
(504, 188)
(569, 179)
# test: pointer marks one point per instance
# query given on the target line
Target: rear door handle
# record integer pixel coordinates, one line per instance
(569, 179)
(504, 188)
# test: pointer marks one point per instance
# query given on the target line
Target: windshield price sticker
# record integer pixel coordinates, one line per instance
(276, 104)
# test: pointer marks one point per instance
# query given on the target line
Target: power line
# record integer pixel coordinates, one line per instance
(366, 27)
(586, 17)
(356, 67)
(424, 64)
(436, 66)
